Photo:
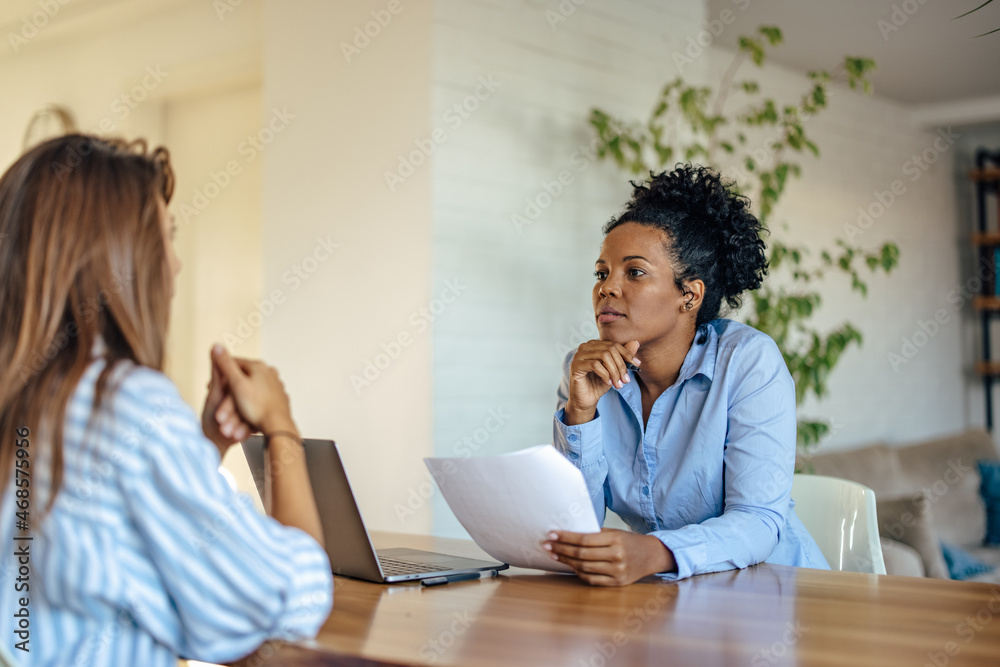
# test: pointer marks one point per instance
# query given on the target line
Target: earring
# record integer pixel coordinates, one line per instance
(687, 306)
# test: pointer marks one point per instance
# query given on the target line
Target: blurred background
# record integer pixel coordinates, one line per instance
(398, 202)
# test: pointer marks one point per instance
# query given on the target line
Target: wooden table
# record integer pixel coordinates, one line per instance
(760, 616)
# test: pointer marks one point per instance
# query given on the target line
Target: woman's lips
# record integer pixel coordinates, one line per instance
(604, 318)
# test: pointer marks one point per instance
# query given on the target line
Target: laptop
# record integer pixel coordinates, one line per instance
(347, 542)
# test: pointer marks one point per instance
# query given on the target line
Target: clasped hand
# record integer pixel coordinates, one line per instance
(244, 396)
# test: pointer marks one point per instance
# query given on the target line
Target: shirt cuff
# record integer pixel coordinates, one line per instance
(688, 554)
(580, 443)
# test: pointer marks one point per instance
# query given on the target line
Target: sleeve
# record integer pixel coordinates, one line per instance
(758, 464)
(583, 445)
(236, 578)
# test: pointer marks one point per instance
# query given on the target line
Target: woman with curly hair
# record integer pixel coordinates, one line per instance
(682, 422)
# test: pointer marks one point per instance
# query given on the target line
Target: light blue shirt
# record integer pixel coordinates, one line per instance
(710, 475)
(148, 554)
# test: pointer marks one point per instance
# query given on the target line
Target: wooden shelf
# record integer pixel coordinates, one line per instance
(985, 174)
(986, 182)
(987, 239)
(986, 303)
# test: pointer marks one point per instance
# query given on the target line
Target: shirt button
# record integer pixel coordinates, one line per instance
(574, 455)
(573, 437)
(645, 490)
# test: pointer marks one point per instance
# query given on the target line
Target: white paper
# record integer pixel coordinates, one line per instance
(509, 503)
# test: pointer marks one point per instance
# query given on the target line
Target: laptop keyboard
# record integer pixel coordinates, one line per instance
(391, 566)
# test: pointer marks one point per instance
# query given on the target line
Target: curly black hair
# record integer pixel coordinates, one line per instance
(713, 235)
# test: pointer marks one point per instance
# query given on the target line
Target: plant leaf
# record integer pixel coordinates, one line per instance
(975, 10)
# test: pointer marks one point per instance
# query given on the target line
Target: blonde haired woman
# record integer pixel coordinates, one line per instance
(136, 550)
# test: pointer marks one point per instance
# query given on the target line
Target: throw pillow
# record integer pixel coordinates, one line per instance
(961, 564)
(908, 520)
(989, 489)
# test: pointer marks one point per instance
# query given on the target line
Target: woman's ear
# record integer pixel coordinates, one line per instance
(694, 292)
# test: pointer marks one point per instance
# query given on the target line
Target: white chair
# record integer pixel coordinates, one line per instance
(840, 515)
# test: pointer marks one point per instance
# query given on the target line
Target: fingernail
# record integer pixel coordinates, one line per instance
(620, 385)
(547, 546)
(226, 430)
(636, 361)
(553, 536)
(216, 349)
(628, 378)
(554, 557)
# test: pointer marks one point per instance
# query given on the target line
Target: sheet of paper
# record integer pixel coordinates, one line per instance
(509, 503)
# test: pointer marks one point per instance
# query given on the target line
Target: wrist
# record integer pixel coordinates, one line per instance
(661, 557)
(573, 416)
(284, 448)
(279, 423)
(223, 446)
(278, 439)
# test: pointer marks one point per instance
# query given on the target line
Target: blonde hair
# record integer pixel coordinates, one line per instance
(82, 256)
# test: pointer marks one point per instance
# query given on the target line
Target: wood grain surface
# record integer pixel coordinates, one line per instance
(759, 616)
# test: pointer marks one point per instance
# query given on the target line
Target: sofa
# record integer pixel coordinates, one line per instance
(925, 493)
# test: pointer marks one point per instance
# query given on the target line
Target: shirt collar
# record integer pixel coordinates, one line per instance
(700, 359)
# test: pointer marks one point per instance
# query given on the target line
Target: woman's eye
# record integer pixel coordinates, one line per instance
(635, 273)
(600, 275)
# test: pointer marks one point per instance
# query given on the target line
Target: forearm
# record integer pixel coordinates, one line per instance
(582, 446)
(737, 539)
(289, 496)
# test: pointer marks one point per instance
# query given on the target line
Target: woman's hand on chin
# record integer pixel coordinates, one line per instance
(597, 366)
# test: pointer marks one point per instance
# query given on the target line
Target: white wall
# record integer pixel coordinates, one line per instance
(88, 65)
(216, 209)
(324, 179)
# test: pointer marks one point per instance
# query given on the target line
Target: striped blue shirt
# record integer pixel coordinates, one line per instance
(710, 473)
(148, 555)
